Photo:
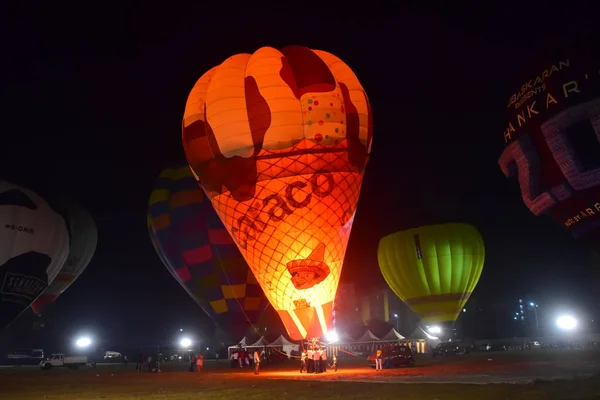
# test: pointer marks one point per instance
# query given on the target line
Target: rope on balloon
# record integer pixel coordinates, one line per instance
(314, 341)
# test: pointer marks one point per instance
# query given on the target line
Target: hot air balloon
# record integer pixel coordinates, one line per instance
(552, 140)
(279, 140)
(84, 238)
(433, 269)
(34, 243)
(166, 263)
(191, 241)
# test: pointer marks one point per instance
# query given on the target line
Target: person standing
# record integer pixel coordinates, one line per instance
(316, 358)
(378, 360)
(334, 365)
(192, 362)
(200, 361)
(256, 362)
(303, 362)
(324, 360)
(140, 363)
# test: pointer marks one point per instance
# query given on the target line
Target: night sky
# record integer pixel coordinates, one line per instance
(93, 101)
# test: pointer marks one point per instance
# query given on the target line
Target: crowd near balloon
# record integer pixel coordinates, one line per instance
(261, 210)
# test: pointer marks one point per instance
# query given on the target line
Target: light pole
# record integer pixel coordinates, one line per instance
(537, 324)
(397, 322)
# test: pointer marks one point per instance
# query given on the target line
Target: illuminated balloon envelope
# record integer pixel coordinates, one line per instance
(34, 243)
(191, 241)
(552, 140)
(433, 269)
(279, 140)
(83, 241)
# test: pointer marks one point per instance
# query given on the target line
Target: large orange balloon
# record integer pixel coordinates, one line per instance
(279, 141)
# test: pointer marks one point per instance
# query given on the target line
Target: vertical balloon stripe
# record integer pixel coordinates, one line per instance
(268, 69)
(343, 74)
(226, 107)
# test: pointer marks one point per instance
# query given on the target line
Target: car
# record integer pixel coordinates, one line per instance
(112, 356)
(449, 349)
(394, 356)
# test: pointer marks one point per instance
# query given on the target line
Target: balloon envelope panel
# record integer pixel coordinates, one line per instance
(279, 140)
(34, 244)
(433, 269)
(83, 241)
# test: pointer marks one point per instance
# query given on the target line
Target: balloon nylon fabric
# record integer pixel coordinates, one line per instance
(34, 244)
(552, 137)
(279, 140)
(83, 242)
(433, 269)
(197, 249)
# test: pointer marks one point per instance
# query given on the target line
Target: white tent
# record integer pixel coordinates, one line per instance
(344, 338)
(281, 341)
(261, 342)
(367, 337)
(242, 343)
(422, 340)
(419, 333)
(285, 344)
(392, 336)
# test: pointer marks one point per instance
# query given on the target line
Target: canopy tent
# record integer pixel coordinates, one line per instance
(261, 342)
(392, 336)
(367, 337)
(287, 346)
(241, 343)
(419, 333)
(343, 337)
(420, 340)
(281, 341)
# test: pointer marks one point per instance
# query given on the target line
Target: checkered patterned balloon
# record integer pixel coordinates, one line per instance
(191, 241)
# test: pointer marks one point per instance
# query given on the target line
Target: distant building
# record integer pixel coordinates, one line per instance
(347, 306)
(353, 308)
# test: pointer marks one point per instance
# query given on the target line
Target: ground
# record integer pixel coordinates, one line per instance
(514, 376)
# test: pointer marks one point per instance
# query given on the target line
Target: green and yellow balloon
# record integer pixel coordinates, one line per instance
(433, 269)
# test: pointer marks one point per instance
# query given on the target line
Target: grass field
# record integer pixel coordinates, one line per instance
(283, 382)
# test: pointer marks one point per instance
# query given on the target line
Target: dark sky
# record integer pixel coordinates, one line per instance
(93, 101)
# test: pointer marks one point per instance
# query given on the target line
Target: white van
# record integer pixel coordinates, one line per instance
(112, 356)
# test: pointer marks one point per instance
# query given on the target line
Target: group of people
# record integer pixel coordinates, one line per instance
(148, 364)
(314, 360)
(196, 363)
(246, 358)
(144, 363)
